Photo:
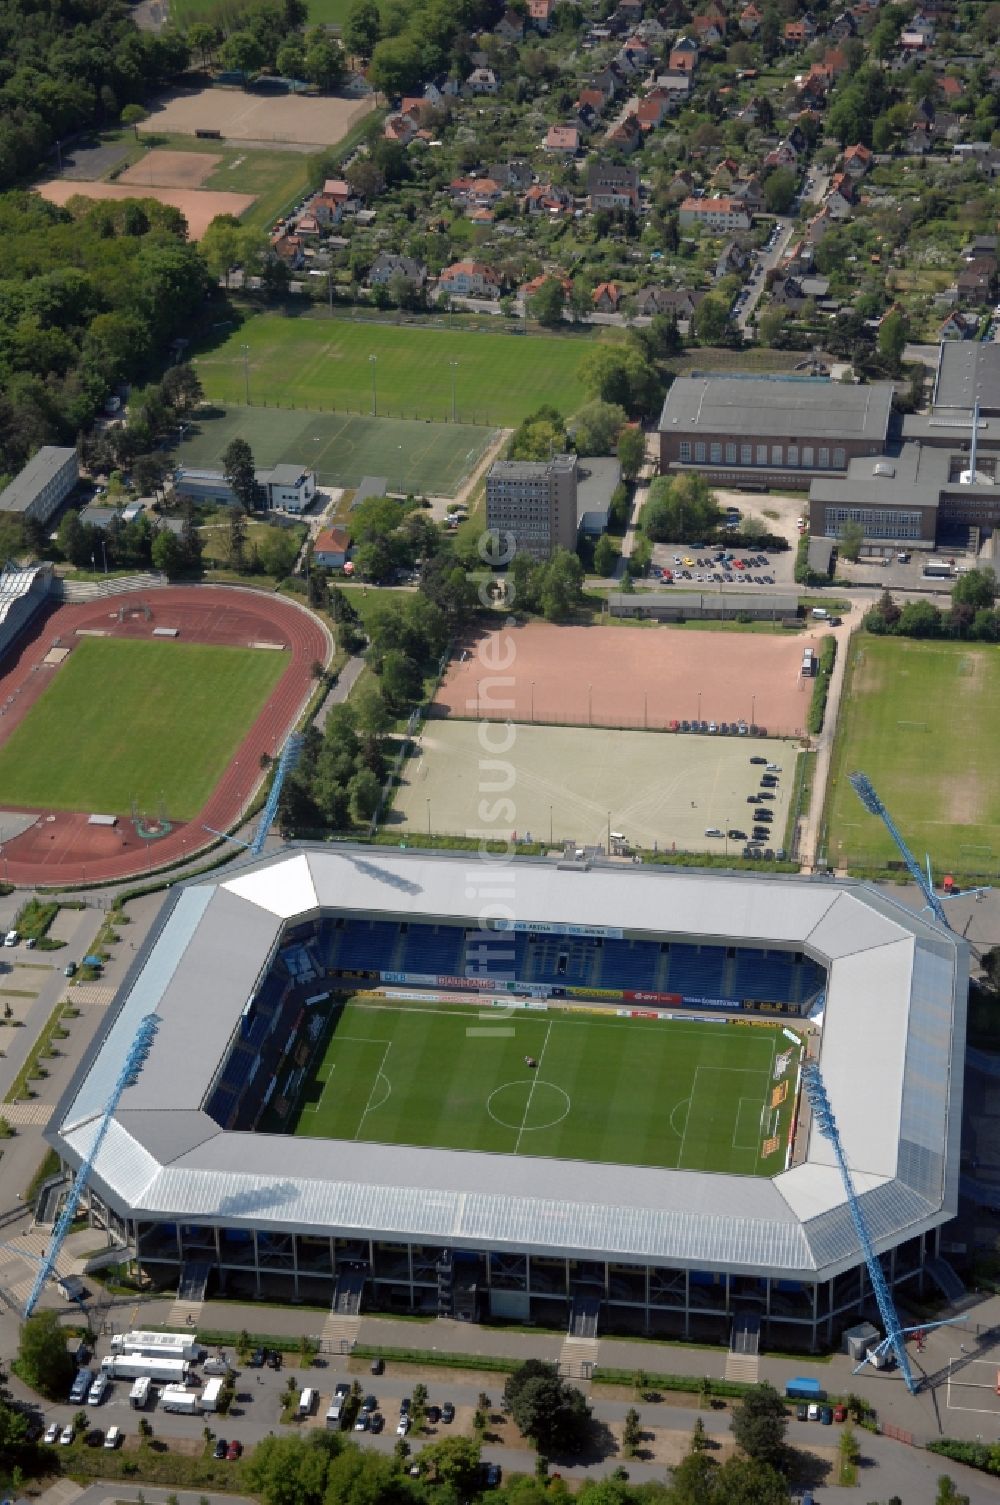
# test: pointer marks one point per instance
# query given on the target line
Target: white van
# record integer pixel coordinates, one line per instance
(307, 1403)
(216, 1365)
(820, 613)
(10, 939)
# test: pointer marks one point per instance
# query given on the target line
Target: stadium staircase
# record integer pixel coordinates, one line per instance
(347, 1293)
(743, 1358)
(116, 585)
(946, 1279)
(578, 1355)
(193, 1283)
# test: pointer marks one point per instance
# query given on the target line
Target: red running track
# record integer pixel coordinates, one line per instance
(59, 848)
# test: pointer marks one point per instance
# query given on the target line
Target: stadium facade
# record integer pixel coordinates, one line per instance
(239, 968)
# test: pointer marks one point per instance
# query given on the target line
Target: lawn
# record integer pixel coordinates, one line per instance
(684, 1093)
(922, 720)
(431, 458)
(154, 722)
(326, 363)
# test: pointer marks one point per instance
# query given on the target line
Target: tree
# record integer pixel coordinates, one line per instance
(454, 1462)
(402, 681)
(169, 554)
(43, 1360)
(851, 539)
(291, 59)
(243, 53)
(324, 60)
(919, 619)
(780, 188)
(758, 1423)
(361, 28)
(363, 790)
(238, 473)
(204, 38)
(237, 537)
(680, 510)
(277, 551)
(976, 588)
(597, 427)
(133, 115)
(947, 1493)
(560, 590)
(547, 304)
(549, 1412)
(712, 323)
(605, 556)
(397, 65)
(892, 336)
(631, 452)
(631, 1432)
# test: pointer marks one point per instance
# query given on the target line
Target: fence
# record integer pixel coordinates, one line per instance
(416, 716)
(643, 723)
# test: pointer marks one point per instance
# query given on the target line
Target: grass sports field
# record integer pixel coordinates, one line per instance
(685, 1094)
(427, 457)
(922, 720)
(124, 720)
(325, 363)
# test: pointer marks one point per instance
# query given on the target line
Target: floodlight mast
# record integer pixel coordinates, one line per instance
(863, 788)
(827, 1126)
(132, 1065)
(289, 757)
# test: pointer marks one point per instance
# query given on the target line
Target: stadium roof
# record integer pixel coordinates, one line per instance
(891, 1052)
(773, 407)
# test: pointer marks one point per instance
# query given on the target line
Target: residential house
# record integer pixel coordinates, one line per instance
(857, 160)
(796, 292)
(976, 281)
(959, 326)
(547, 198)
(612, 185)
(683, 55)
(388, 265)
(470, 279)
(917, 35)
(530, 288)
(399, 128)
(841, 196)
(626, 136)
(952, 88)
(638, 52)
(734, 258)
(590, 98)
(540, 14)
(676, 82)
(475, 193)
(563, 140)
(307, 223)
(606, 297)
(842, 27)
(750, 18)
(782, 155)
(817, 227)
(515, 176)
(337, 189)
(289, 249)
(707, 31)
(328, 210)
(331, 548)
(679, 301)
(716, 215)
(610, 82)
(510, 27)
(482, 81)
(652, 110)
(751, 193)
(799, 33)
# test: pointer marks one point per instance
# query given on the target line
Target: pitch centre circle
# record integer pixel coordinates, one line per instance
(529, 1103)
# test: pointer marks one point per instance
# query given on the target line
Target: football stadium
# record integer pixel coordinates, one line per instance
(560, 1092)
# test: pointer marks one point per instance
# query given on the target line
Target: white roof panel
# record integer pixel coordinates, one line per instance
(285, 888)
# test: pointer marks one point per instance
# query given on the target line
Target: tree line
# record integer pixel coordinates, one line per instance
(972, 614)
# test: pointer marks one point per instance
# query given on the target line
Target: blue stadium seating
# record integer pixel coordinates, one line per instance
(696, 970)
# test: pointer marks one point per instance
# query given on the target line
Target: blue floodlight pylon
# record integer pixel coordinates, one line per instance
(863, 788)
(825, 1122)
(289, 757)
(132, 1065)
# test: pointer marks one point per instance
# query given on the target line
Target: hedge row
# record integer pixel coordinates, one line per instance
(821, 687)
(686, 1384)
(981, 1455)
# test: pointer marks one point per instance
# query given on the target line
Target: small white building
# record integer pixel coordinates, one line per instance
(288, 487)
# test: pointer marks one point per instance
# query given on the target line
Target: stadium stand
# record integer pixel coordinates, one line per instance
(23, 592)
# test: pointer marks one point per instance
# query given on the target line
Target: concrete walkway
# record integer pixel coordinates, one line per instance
(339, 692)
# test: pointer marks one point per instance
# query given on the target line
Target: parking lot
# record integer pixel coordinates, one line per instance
(690, 566)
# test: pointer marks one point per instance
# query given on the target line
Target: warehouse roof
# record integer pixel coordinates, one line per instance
(895, 982)
(968, 372)
(772, 407)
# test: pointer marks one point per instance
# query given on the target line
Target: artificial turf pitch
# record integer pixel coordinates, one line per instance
(123, 721)
(497, 379)
(922, 720)
(680, 1094)
(342, 449)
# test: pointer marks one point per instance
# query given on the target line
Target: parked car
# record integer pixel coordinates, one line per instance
(112, 1437)
(377, 1366)
(234, 1451)
(376, 1421)
(802, 1413)
(51, 1433)
(257, 1358)
(221, 1448)
(826, 1415)
(402, 1426)
(840, 1413)
(448, 1412)
(66, 1435)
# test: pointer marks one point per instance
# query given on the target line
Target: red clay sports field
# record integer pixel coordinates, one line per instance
(61, 848)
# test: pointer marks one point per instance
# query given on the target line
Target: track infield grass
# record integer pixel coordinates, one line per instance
(922, 720)
(124, 720)
(433, 458)
(680, 1094)
(323, 363)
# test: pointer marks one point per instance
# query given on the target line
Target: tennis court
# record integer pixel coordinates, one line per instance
(342, 448)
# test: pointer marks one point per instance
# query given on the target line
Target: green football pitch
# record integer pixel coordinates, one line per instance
(122, 720)
(922, 720)
(326, 363)
(432, 458)
(686, 1094)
